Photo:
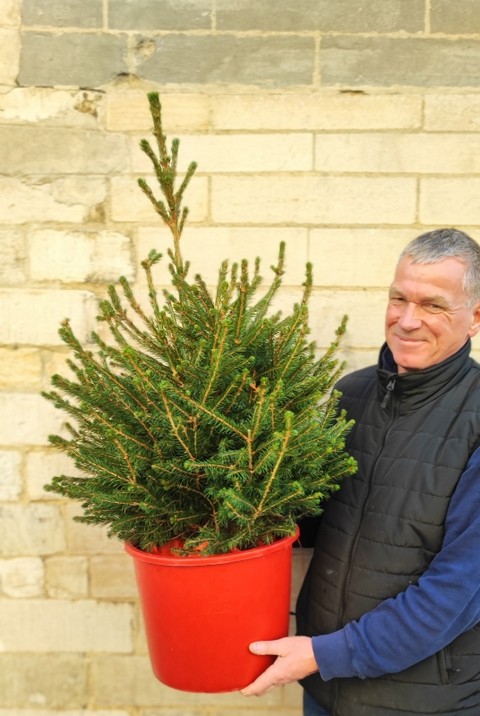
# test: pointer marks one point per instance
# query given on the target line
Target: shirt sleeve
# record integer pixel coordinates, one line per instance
(428, 615)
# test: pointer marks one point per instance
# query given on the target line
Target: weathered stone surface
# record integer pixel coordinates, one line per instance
(117, 680)
(385, 61)
(160, 14)
(22, 577)
(34, 529)
(452, 112)
(57, 625)
(10, 477)
(87, 539)
(41, 465)
(129, 111)
(447, 202)
(129, 204)
(48, 105)
(42, 681)
(53, 150)
(300, 199)
(112, 577)
(71, 59)
(366, 311)
(206, 247)
(399, 153)
(66, 577)
(353, 257)
(34, 316)
(27, 419)
(238, 153)
(10, 50)
(71, 256)
(317, 110)
(68, 13)
(66, 198)
(20, 369)
(10, 13)
(12, 265)
(321, 15)
(268, 61)
(73, 712)
(459, 17)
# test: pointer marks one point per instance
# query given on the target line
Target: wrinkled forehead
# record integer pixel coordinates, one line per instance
(433, 278)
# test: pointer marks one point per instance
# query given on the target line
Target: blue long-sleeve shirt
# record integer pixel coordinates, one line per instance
(428, 615)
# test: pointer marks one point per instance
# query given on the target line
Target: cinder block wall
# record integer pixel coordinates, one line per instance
(344, 128)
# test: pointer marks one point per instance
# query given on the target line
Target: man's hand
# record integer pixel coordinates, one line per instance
(295, 661)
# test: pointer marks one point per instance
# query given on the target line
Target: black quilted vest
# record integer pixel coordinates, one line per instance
(412, 439)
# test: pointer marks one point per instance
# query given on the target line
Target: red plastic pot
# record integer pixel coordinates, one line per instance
(201, 613)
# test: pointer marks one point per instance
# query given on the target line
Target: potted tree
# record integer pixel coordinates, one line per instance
(204, 428)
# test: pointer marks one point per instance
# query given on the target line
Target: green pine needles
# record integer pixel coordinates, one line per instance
(208, 417)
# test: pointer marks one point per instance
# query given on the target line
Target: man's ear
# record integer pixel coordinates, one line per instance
(475, 324)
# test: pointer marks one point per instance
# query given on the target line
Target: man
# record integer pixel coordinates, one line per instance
(389, 612)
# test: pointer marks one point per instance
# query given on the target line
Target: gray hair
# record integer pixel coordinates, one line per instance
(440, 244)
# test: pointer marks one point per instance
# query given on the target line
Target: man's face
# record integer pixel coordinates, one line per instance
(427, 318)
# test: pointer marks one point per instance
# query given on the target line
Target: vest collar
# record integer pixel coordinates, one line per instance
(416, 388)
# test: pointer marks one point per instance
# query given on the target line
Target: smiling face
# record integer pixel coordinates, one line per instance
(427, 317)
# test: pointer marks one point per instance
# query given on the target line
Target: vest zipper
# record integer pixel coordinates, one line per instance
(386, 400)
(388, 394)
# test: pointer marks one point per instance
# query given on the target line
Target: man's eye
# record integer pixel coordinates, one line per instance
(433, 307)
(397, 300)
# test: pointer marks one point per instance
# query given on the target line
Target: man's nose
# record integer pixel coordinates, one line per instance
(410, 316)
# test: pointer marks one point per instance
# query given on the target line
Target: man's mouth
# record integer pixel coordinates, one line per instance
(409, 339)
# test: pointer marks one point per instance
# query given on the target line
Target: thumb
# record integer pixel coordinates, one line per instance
(265, 647)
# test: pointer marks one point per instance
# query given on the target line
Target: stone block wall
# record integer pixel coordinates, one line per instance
(343, 128)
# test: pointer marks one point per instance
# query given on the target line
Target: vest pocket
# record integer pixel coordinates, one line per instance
(444, 661)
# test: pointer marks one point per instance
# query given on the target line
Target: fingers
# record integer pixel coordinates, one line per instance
(268, 679)
(260, 686)
(295, 661)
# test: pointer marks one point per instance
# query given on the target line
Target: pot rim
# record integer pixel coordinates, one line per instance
(167, 559)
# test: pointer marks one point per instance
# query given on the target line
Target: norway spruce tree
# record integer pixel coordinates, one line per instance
(205, 416)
